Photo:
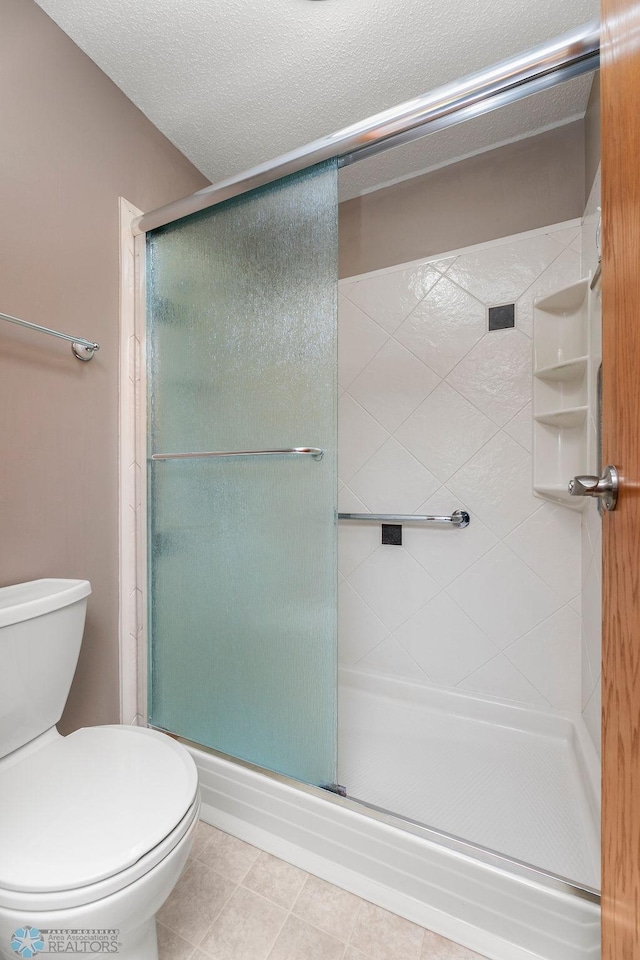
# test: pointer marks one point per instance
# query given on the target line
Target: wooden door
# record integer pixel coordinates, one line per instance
(621, 446)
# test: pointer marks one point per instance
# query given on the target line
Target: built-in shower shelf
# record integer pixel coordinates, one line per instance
(565, 371)
(566, 301)
(563, 392)
(570, 417)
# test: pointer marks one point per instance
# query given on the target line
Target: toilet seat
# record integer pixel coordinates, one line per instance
(87, 814)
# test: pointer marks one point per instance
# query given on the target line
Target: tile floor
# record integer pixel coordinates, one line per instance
(235, 902)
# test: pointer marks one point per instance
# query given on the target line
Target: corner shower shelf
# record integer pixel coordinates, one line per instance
(566, 370)
(562, 391)
(570, 417)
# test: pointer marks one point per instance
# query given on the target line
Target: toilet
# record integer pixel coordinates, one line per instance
(95, 827)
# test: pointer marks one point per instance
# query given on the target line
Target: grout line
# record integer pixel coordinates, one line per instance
(548, 267)
(475, 670)
(370, 608)
(530, 682)
(410, 655)
(402, 346)
(347, 388)
(364, 409)
(528, 565)
(398, 675)
(363, 311)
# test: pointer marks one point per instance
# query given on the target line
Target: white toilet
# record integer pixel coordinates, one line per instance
(95, 827)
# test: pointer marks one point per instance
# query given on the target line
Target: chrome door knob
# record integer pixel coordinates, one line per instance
(604, 487)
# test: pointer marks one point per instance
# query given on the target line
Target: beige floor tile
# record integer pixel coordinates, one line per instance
(229, 856)
(381, 935)
(246, 929)
(171, 946)
(353, 954)
(328, 907)
(298, 940)
(437, 948)
(203, 834)
(275, 880)
(196, 901)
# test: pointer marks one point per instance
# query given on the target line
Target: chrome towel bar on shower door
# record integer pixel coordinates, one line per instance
(316, 452)
(459, 518)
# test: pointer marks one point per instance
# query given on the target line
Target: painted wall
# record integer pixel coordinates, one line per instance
(521, 186)
(435, 414)
(592, 138)
(72, 144)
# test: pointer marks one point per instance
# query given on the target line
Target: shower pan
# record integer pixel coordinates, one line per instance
(241, 471)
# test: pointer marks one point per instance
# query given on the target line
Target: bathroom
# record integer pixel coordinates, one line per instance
(61, 494)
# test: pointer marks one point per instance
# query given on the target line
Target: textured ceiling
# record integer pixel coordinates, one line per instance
(233, 84)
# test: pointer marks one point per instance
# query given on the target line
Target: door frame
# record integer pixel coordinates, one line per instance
(620, 79)
(132, 478)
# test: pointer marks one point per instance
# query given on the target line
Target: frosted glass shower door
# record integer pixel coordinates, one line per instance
(242, 549)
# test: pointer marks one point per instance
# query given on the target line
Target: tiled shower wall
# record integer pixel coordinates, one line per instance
(435, 414)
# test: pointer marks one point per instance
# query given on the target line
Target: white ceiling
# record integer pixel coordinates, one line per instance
(236, 83)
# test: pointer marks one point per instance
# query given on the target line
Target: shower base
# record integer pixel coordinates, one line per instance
(516, 780)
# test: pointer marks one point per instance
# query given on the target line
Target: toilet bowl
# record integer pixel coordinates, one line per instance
(95, 827)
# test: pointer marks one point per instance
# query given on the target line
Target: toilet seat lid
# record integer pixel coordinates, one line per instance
(84, 807)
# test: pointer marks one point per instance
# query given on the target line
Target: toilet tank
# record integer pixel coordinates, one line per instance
(41, 625)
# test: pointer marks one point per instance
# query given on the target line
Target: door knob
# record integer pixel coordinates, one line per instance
(604, 487)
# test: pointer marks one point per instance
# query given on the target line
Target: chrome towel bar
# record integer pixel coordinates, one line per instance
(316, 452)
(81, 348)
(459, 518)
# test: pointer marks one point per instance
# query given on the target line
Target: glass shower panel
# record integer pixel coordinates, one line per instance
(242, 356)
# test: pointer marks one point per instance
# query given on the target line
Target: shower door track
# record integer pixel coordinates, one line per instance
(485, 855)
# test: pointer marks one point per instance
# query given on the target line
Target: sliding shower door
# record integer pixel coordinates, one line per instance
(242, 552)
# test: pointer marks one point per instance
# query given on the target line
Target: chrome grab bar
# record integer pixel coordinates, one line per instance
(316, 452)
(459, 518)
(81, 348)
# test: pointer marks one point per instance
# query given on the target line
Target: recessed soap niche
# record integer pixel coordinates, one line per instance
(566, 356)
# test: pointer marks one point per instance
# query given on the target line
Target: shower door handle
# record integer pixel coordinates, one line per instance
(604, 487)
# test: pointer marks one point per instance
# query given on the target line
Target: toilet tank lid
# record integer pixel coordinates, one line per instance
(23, 601)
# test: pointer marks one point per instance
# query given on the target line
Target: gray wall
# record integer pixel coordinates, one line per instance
(72, 143)
(592, 137)
(518, 187)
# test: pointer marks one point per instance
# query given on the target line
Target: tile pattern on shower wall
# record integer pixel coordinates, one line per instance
(435, 414)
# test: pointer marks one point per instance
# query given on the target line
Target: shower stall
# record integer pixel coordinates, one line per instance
(350, 703)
